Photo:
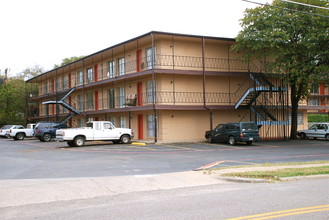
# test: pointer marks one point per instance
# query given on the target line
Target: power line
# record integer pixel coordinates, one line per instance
(299, 3)
(258, 3)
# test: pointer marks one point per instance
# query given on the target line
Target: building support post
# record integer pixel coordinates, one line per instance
(154, 92)
(204, 84)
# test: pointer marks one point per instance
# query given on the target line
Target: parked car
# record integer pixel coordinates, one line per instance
(4, 131)
(319, 130)
(20, 132)
(95, 131)
(234, 132)
(45, 131)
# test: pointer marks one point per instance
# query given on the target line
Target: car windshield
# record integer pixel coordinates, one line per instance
(6, 126)
(249, 127)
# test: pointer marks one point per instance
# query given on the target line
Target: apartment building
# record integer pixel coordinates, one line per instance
(167, 87)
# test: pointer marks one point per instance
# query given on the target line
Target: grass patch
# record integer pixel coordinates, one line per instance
(285, 172)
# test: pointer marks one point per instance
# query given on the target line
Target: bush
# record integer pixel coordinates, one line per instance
(318, 118)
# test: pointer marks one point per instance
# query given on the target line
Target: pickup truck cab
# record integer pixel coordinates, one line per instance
(95, 131)
(19, 132)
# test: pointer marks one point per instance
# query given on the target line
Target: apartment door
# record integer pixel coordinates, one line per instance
(139, 93)
(140, 127)
(96, 100)
(96, 72)
(139, 60)
(52, 85)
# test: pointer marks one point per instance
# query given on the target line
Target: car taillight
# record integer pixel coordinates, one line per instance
(10, 131)
(38, 130)
(241, 134)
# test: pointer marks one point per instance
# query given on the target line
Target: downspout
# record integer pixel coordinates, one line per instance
(204, 84)
(153, 92)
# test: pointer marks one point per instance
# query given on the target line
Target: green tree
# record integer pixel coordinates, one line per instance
(30, 72)
(296, 37)
(67, 61)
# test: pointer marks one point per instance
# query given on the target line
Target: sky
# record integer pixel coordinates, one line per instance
(43, 32)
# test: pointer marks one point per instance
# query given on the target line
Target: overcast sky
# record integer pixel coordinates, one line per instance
(41, 32)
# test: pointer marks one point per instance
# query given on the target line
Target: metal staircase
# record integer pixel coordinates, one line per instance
(255, 99)
(61, 102)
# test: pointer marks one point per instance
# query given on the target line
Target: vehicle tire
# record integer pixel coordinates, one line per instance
(327, 137)
(20, 136)
(71, 143)
(248, 142)
(231, 140)
(79, 141)
(46, 137)
(125, 139)
(210, 140)
(303, 136)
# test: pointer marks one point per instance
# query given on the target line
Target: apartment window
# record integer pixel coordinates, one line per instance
(149, 94)
(46, 87)
(80, 78)
(111, 99)
(90, 101)
(299, 118)
(121, 98)
(150, 126)
(123, 122)
(112, 119)
(47, 109)
(121, 62)
(314, 88)
(90, 75)
(314, 102)
(81, 122)
(80, 102)
(64, 82)
(150, 59)
(111, 69)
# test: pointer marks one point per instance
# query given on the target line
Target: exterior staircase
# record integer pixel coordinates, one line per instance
(255, 100)
(61, 102)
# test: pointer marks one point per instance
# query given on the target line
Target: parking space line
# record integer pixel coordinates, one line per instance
(144, 148)
(185, 148)
(219, 145)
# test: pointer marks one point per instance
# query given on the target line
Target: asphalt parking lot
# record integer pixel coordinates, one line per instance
(32, 159)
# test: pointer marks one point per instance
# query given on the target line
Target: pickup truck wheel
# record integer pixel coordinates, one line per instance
(20, 136)
(303, 136)
(125, 139)
(327, 137)
(210, 140)
(79, 141)
(46, 137)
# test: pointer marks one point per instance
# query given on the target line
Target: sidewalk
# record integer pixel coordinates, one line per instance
(16, 192)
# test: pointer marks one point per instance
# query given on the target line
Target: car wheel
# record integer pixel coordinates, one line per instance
(46, 137)
(125, 139)
(210, 139)
(327, 137)
(70, 143)
(303, 136)
(231, 140)
(20, 136)
(79, 141)
(248, 142)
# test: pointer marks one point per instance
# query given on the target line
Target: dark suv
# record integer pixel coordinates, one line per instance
(234, 132)
(44, 131)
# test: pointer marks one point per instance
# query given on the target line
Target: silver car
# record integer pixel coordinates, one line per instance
(319, 130)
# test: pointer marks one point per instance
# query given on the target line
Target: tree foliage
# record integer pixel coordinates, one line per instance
(297, 42)
(66, 61)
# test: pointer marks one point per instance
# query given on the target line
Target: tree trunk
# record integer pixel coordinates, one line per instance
(294, 112)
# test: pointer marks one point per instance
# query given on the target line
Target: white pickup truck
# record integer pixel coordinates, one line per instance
(19, 132)
(95, 131)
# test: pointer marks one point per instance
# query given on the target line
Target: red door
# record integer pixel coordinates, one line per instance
(140, 93)
(96, 100)
(69, 80)
(140, 127)
(52, 85)
(96, 72)
(139, 60)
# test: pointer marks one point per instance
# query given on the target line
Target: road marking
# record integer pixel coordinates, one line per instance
(185, 148)
(219, 145)
(209, 165)
(288, 212)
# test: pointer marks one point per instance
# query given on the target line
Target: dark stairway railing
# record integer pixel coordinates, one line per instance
(249, 99)
(61, 102)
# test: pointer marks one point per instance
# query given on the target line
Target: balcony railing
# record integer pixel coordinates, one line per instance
(158, 62)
